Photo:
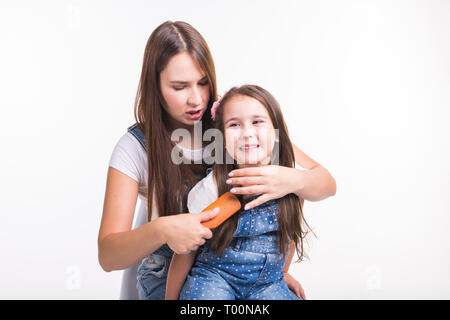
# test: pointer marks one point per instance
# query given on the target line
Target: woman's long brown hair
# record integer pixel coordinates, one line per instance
(291, 223)
(168, 181)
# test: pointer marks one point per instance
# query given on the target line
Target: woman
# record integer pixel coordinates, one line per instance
(176, 91)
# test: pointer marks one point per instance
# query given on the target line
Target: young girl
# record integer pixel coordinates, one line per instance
(248, 253)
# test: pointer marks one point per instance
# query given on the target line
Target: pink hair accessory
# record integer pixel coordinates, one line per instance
(215, 106)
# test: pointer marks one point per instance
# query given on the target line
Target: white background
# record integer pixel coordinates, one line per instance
(364, 87)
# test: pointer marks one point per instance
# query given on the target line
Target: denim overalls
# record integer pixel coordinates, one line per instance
(250, 268)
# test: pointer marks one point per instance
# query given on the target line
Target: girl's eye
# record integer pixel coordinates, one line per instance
(178, 88)
(233, 124)
(204, 83)
(258, 121)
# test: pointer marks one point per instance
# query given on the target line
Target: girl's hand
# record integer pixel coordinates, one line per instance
(271, 181)
(294, 285)
(184, 233)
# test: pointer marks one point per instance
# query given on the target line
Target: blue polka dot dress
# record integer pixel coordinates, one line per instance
(250, 268)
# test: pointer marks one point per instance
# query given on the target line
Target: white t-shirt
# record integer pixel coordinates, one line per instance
(202, 194)
(130, 158)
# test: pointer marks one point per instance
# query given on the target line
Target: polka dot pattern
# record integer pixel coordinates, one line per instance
(258, 220)
(250, 268)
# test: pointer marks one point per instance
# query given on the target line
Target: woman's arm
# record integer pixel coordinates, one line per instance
(314, 184)
(119, 247)
(178, 271)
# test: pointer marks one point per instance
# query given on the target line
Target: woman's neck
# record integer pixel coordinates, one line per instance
(192, 141)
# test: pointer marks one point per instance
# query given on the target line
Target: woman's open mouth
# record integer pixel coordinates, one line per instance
(194, 115)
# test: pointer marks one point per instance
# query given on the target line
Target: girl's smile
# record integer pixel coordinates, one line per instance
(249, 147)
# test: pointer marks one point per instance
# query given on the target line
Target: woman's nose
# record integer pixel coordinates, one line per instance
(195, 97)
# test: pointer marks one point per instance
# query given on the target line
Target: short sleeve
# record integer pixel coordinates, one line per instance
(202, 194)
(127, 157)
(297, 166)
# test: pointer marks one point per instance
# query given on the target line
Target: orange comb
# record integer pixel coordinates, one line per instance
(228, 204)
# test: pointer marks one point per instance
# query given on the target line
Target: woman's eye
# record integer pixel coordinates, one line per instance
(204, 83)
(178, 88)
(233, 124)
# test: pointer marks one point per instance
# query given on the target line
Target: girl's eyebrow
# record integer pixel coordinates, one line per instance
(254, 116)
(187, 82)
(259, 116)
(231, 119)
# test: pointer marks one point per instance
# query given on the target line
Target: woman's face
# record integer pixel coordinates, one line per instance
(249, 132)
(185, 89)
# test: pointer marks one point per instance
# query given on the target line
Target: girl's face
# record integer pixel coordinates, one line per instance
(185, 89)
(249, 132)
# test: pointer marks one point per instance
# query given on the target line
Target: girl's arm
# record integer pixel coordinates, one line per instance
(178, 271)
(289, 258)
(120, 247)
(292, 284)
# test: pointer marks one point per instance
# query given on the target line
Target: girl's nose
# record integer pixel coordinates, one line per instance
(248, 131)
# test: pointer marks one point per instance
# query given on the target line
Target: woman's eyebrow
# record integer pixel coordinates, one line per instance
(187, 82)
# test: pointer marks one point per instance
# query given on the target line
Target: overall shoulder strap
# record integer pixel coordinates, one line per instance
(138, 134)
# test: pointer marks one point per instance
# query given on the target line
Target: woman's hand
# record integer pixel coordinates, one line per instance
(184, 233)
(271, 181)
(294, 285)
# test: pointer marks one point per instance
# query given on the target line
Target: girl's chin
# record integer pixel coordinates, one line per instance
(249, 165)
(249, 162)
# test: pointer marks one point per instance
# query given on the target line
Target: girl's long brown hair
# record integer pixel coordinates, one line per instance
(291, 223)
(168, 181)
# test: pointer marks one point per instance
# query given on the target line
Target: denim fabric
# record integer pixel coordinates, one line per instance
(138, 134)
(259, 220)
(152, 274)
(250, 268)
